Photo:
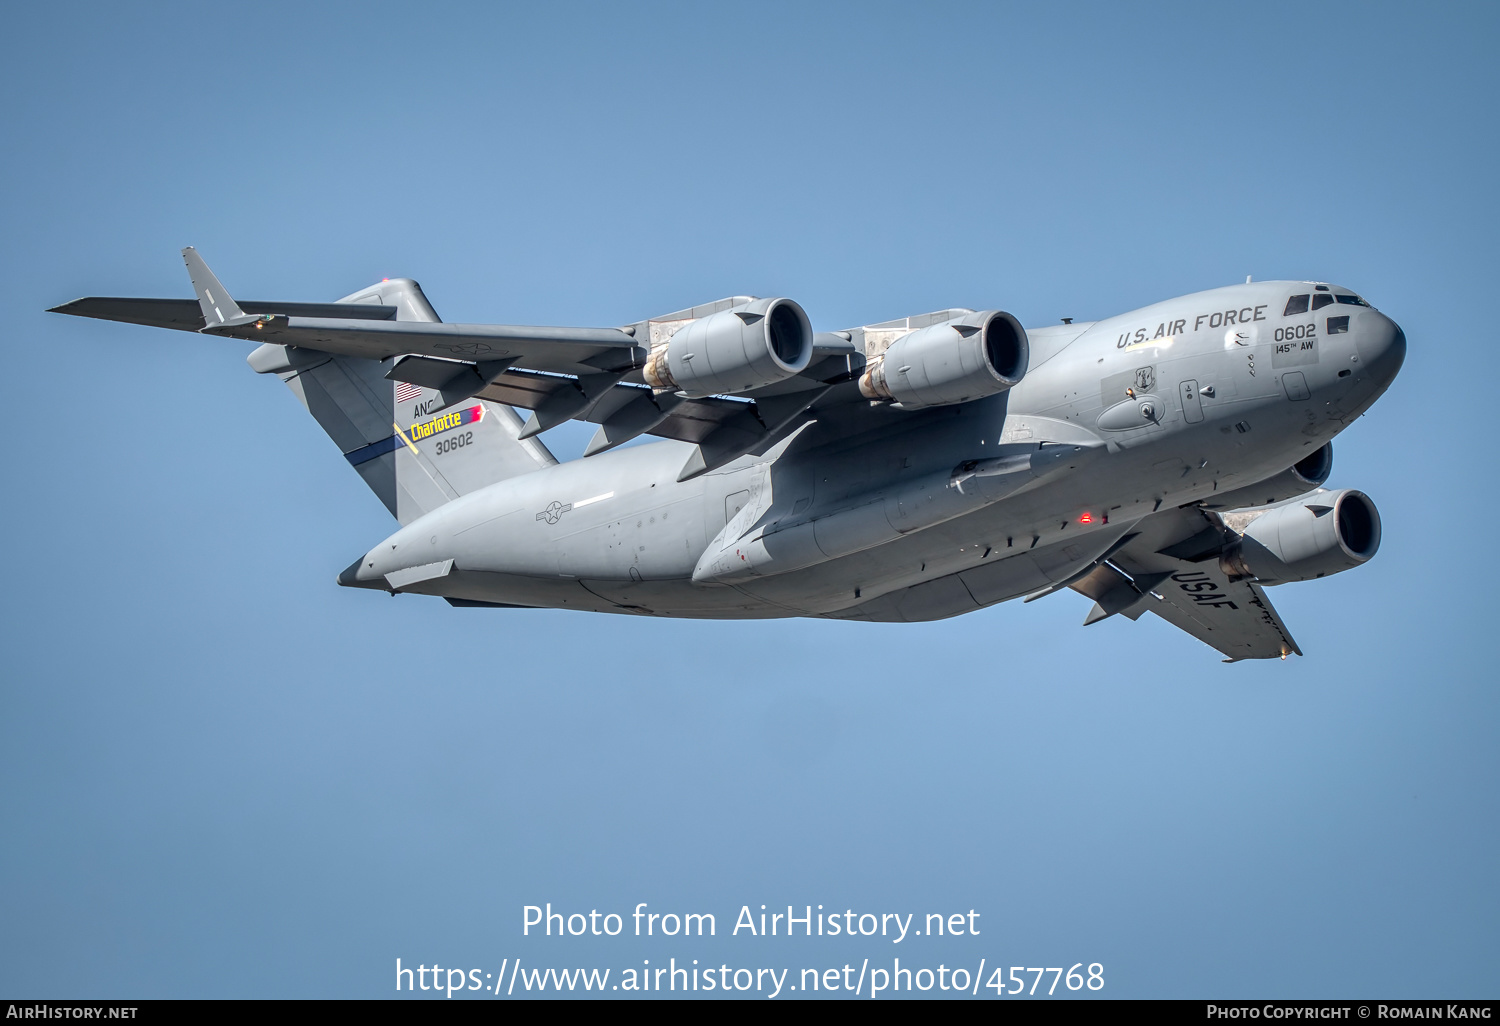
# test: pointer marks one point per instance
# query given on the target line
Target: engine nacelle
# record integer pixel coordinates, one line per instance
(1299, 479)
(1317, 535)
(734, 351)
(953, 362)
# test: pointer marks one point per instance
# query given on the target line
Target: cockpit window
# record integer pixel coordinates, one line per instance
(1351, 300)
(1295, 305)
(1338, 325)
(1321, 300)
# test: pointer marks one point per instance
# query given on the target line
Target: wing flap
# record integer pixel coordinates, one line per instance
(689, 420)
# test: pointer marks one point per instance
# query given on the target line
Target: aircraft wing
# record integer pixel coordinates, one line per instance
(356, 329)
(1169, 566)
(558, 373)
(187, 315)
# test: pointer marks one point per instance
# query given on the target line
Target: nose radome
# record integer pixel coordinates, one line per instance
(1381, 344)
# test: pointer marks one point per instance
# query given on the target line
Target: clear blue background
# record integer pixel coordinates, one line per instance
(224, 776)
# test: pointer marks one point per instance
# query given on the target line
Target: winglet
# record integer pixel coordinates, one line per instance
(213, 298)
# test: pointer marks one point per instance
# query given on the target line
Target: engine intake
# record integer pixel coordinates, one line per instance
(734, 351)
(1299, 479)
(953, 362)
(1321, 534)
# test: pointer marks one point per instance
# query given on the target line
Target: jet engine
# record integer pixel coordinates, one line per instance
(1299, 479)
(734, 351)
(969, 358)
(1317, 535)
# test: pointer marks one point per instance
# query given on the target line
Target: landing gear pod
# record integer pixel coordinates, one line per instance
(735, 351)
(953, 362)
(1322, 534)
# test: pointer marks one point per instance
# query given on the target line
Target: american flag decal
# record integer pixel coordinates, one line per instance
(406, 391)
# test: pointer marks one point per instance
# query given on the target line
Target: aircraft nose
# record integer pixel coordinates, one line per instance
(1381, 345)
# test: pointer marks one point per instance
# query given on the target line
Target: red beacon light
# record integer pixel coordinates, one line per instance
(1087, 518)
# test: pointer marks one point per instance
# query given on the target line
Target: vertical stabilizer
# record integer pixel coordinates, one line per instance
(404, 294)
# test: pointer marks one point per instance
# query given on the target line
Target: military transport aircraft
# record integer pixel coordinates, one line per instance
(1167, 460)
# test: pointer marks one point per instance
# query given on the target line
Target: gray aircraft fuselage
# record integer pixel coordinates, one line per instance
(1166, 405)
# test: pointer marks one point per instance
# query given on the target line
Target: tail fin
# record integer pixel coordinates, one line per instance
(414, 453)
(402, 293)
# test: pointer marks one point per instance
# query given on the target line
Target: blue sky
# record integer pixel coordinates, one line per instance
(221, 775)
